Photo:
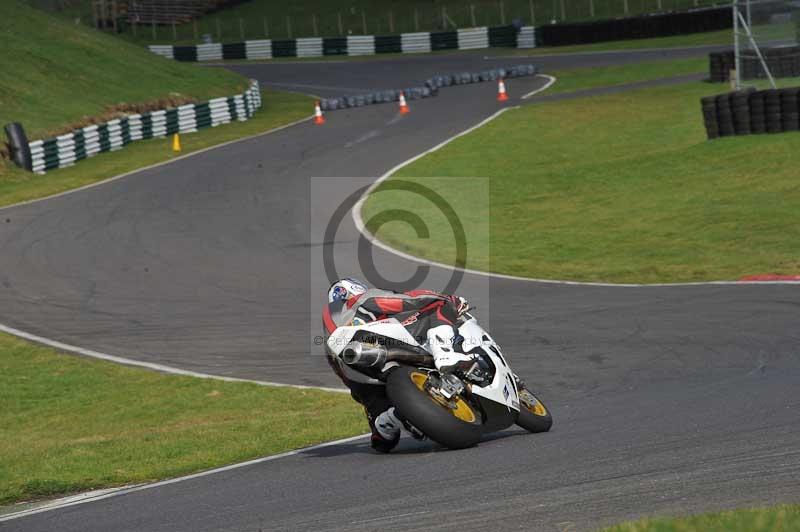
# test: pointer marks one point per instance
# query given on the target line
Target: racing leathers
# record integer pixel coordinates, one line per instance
(429, 317)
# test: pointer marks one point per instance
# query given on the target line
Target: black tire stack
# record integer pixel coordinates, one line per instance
(782, 61)
(718, 67)
(725, 116)
(752, 112)
(758, 113)
(772, 101)
(709, 105)
(790, 116)
(740, 105)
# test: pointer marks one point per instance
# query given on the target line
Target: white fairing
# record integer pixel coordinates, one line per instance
(503, 389)
(390, 328)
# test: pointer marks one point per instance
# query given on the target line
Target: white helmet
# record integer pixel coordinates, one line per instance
(344, 289)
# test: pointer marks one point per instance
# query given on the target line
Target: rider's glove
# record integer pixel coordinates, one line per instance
(461, 304)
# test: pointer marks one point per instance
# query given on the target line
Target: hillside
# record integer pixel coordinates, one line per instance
(55, 73)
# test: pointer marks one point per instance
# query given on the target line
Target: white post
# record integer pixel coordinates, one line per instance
(564, 10)
(626, 6)
(533, 14)
(743, 22)
(736, 55)
(749, 17)
(591, 8)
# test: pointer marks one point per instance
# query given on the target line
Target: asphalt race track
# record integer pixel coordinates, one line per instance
(665, 399)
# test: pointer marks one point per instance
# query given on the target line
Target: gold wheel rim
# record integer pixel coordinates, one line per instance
(462, 410)
(532, 404)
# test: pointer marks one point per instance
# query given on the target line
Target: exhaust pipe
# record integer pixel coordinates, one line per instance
(366, 356)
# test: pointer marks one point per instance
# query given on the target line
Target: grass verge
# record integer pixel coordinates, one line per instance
(620, 188)
(279, 108)
(71, 424)
(778, 519)
(586, 78)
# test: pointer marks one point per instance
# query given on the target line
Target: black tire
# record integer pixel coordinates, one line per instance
(758, 126)
(533, 415)
(436, 421)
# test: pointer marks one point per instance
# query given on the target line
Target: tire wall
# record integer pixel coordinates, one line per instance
(751, 112)
(641, 27)
(430, 89)
(65, 150)
(783, 62)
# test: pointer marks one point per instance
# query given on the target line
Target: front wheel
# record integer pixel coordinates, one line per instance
(533, 415)
(455, 423)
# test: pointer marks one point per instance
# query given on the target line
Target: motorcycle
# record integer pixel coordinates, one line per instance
(454, 409)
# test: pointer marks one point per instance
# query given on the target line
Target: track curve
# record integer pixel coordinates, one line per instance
(666, 399)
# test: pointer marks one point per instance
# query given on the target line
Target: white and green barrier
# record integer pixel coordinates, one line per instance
(405, 43)
(65, 150)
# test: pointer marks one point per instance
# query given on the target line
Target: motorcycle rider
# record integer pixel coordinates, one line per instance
(427, 315)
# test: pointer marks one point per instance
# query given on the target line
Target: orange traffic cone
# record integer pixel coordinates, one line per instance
(403, 105)
(319, 119)
(502, 96)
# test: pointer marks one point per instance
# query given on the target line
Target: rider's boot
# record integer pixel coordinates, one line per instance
(385, 431)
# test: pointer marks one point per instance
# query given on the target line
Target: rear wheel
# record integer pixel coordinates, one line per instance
(533, 415)
(454, 423)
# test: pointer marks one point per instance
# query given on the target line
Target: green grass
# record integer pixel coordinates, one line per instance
(279, 108)
(69, 72)
(586, 78)
(247, 20)
(71, 424)
(620, 188)
(777, 519)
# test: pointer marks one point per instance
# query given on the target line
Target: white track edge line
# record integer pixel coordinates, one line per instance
(550, 81)
(156, 165)
(69, 501)
(152, 365)
(359, 223)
